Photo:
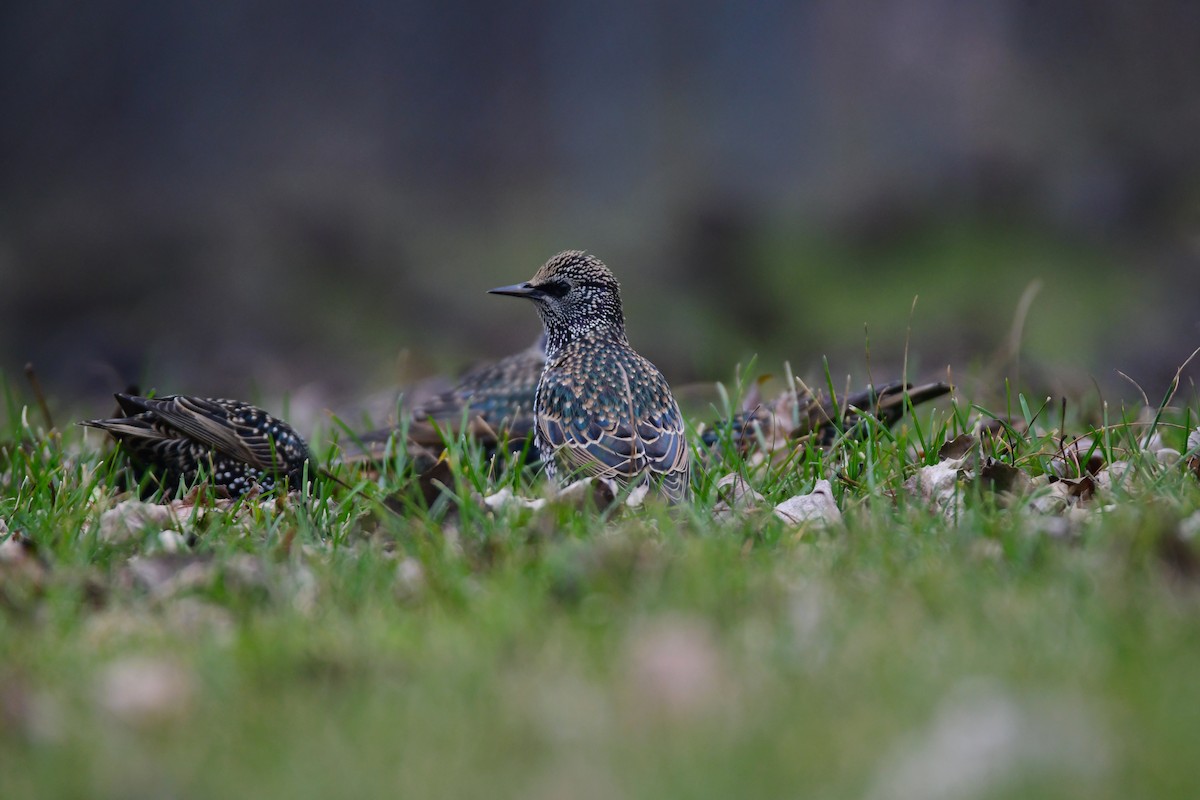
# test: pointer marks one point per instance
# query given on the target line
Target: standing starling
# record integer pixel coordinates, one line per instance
(495, 399)
(233, 444)
(601, 409)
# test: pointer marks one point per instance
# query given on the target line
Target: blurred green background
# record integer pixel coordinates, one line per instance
(311, 199)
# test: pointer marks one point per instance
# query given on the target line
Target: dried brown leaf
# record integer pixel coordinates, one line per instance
(958, 447)
(1003, 478)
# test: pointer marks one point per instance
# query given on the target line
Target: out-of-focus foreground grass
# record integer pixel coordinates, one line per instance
(320, 647)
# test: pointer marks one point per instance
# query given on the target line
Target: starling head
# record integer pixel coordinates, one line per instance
(576, 295)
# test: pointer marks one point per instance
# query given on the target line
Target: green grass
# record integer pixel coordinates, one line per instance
(323, 647)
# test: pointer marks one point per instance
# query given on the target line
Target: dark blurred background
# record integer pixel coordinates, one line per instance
(269, 198)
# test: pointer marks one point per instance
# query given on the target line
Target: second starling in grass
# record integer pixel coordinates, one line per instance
(494, 399)
(235, 445)
(601, 409)
(498, 394)
(800, 412)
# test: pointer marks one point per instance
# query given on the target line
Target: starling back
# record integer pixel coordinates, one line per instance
(495, 398)
(600, 409)
(234, 444)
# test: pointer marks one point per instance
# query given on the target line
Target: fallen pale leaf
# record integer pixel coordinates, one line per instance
(1189, 527)
(1193, 448)
(983, 741)
(1052, 500)
(132, 518)
(817, 506)
(735, 496)
(1115, 474)
(938, 485)
(505, 498)
(145, 691)
(600, 492)
(674, 668)
(410, 579)
(1079, 457)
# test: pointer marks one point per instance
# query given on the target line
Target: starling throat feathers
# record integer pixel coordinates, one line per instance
(600, 408)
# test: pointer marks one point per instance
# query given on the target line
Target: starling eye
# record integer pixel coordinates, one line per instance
(557, 289)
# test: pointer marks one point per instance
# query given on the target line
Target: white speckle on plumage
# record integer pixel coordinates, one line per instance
(155, 433)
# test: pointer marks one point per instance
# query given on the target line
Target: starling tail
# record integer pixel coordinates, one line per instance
(600, 408)
(233, 444)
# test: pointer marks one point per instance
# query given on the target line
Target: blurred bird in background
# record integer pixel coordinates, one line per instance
(800, 412)
(493, 403)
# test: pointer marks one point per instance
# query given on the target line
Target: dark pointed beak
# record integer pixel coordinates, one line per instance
(516, 290)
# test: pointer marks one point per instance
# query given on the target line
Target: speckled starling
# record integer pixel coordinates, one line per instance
(495, 399)
(601, 409)
(232, 444)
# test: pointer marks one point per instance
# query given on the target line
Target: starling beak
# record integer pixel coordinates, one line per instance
(235, 445)
(515, 290)
(600, 409)
(496, 399)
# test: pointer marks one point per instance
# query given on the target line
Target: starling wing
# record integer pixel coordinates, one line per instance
(621, 429)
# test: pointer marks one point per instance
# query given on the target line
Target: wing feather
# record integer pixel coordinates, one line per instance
(209, 424)
(631, 437)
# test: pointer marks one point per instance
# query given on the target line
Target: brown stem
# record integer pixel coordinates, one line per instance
(39, 395)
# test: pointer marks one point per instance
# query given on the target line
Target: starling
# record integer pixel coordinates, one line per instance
(499, 394)
(600, 409)
(233, 444)
(800, 413)
(495, 399)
